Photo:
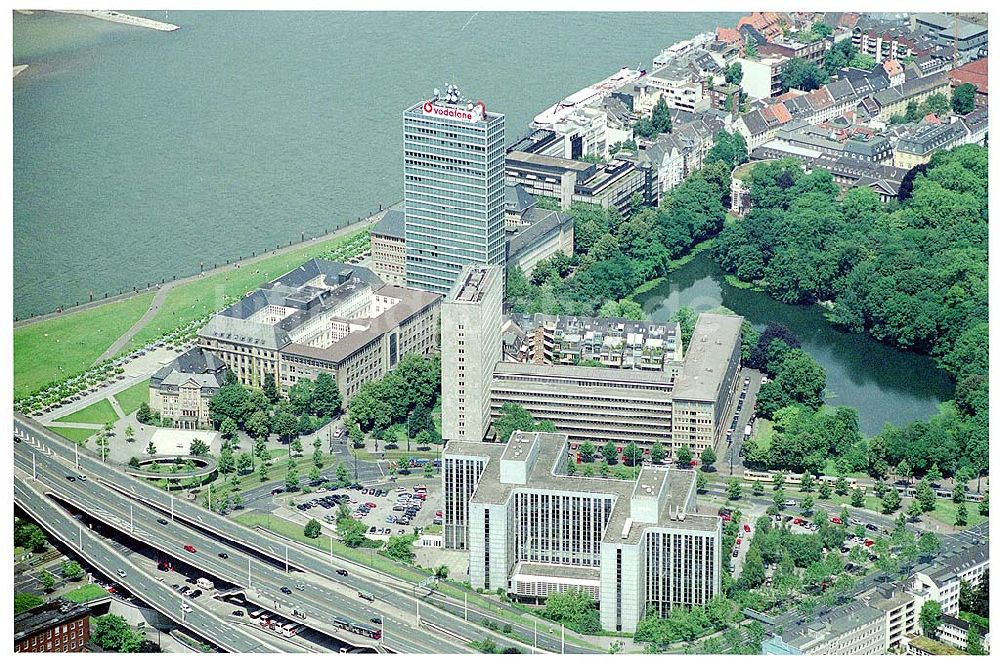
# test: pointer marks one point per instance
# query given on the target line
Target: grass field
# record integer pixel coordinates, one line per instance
(58, 348)
(98, 413)
(945, 510)
(765, 431)
(73, 434)
(131, 398)
(85, 593)
(196, 299)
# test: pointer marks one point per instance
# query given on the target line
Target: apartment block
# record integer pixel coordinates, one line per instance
(389, 248)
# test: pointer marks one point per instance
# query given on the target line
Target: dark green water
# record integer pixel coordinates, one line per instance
(883, 383)
(139, 154)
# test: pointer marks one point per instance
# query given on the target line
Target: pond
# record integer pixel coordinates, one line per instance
(883, 383)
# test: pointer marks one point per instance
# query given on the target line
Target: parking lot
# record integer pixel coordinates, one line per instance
(386, 510)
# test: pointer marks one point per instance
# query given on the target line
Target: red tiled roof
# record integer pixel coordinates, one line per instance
(728, 35)
(974, 73)
(892, 67)
(781, 113)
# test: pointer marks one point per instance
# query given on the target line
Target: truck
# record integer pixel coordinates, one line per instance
(205, 584)
(746, 432)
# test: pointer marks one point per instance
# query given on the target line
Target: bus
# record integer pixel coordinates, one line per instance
(367, 596)
(254, 614)
(288, 629)
(364, 630)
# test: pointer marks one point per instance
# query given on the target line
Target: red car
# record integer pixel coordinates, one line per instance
(370, 505)
(739, 541)
(726, 517)
(438, 514)
(869, 543)
(746, 528)
(836, 520)
(189, 548)
(796, 521)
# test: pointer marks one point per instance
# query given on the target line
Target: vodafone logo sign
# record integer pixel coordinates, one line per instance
(474, 115)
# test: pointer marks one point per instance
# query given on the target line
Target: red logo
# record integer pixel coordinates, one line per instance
(428, 107)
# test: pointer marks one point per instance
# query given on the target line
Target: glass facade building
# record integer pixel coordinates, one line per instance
(453, 188)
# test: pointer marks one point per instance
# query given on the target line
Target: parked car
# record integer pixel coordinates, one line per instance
(238, 613)
(189, 548)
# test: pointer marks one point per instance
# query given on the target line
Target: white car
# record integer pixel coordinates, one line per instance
(122, 573)
(185, 608)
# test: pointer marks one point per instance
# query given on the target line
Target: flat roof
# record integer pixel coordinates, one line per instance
(47, 615)
(472, 283)
(712, 343)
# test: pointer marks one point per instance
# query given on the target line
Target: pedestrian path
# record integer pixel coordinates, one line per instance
(117, 407)
(126, 337)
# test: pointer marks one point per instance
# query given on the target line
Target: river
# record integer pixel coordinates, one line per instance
(883, 383)
(139, 154)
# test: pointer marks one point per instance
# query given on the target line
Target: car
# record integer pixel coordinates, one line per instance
(375, 620)
(238, 613)
(371, 530)
(189, 548)
(277, 491)
(185, 608)
(341, 572)
(195, 594)
(176, 586)
(796, 521)
(162, 521)
(121, 572)
(746, 528)
(836, 520)
(739, 541)
(224, 556)
(871, 527)
(286, 590)
(300, 587)
(183, 589)
(869, 543)
(845, 549)
(191, 592)
(790, 502)
(70, 478)
(401, 490)
(735, 554)
(402, 531)
(371, 505)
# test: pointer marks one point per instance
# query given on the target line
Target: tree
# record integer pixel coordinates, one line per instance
(841, 486)
(802, 75)
(271, 388)
(610, 453)
(824, 491)
(891, 501)
(701, 482)
(656, 454)
(587, 452)
(317, 459)
(984, 506)
(133, 462)
(326, 400)
(708, 457)
(925, 496)
(930, 618)
(24, 602)
(858, 497)
(734, 490)
(400, 547)
(129, 434)
(515, 417)
(734, 73)
(144, 414)
(750, 48)
(758, 488)
(312, 529)
(571, 467)
(342, 475)
(286, 425)
(244, 463)
(47, 580)
(778, 499)
(292, 480)
(151, 449)
(574, 609)
(958, 494)
(904, 470)
(632, 455)
(356, 436)
(72, 570)
(974, 641)
(687, 318)
(807, 504)
(684, 457)
(933, 474)
(961, 516)
(963, 98)
(226, 462)
(198, 448)
(113, 633)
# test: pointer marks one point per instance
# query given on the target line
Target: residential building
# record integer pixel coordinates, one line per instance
(968, 39)
(813, 52)
(924, 646)
(893, 101)
(613, 342)
(533, 529)
(954, 631)
(901, 609)
(453, 189)
(389, 248)
(761, 125)
(182, 390)
(470, 339)
(940, 580)
(762, 76)
(324, 316)
(680, 82)
(919, 146)
(894, 70)
(884, 44)
(883, 179)
(56, 626)
(769, 24)
(853, 629)
(835, 138)
(975, 73)
(541, 234)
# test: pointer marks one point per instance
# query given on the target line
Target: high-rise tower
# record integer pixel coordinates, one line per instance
(453, 189)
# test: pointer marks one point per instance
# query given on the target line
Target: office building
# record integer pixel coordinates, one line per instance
(967, 39)
(470, 338)
(389, 248)
(901, 611)
(541, 234)
(453, 187)
(532, 529)
(57, 626)
(854, 629)
(323, 317)
(182, 390)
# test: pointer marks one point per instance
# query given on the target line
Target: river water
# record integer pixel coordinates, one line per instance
(883, 383)
(139, 154)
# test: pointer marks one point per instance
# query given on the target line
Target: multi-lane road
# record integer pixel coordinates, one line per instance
(137, 509)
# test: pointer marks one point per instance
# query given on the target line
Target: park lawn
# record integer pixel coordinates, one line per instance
(131, 398)
(85, 593)
(945, 510)
(98, 413)
(55, 349)
(193, 300)
(765, 431)
(78, 435)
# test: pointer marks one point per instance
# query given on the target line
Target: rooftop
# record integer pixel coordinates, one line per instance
(714, 338)
(472, 283)
(47, 615)
(392, 225)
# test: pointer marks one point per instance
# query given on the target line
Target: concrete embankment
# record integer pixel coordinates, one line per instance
(18, 69)
(118, 17)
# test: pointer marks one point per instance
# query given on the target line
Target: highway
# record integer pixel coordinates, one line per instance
(320, 604)
(227, 534)
(95, 550)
